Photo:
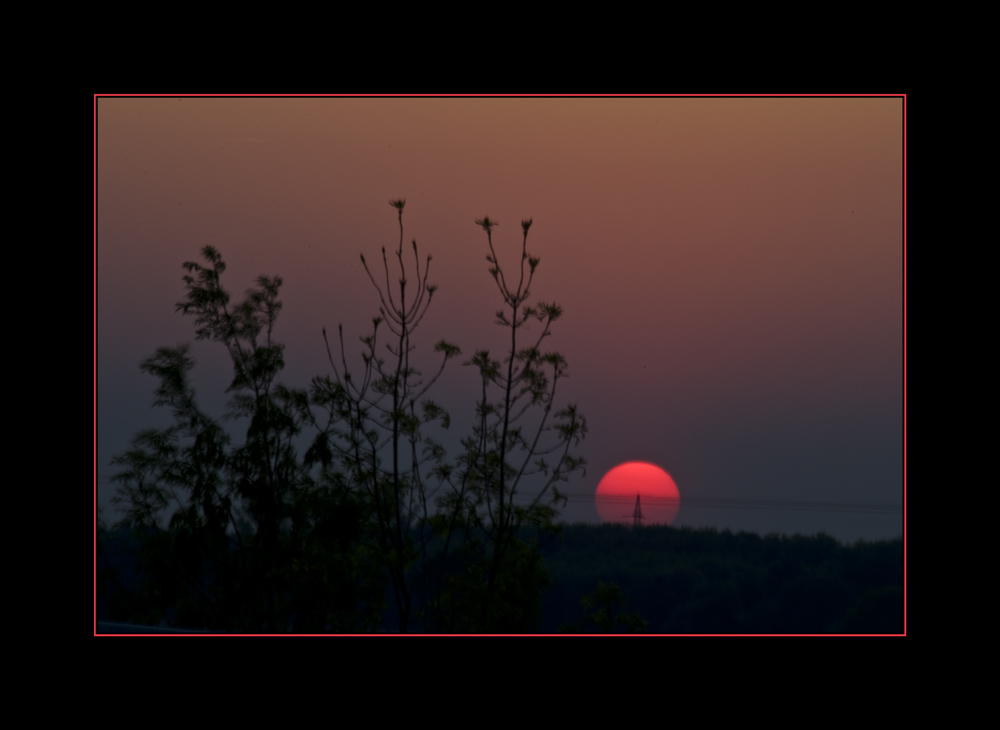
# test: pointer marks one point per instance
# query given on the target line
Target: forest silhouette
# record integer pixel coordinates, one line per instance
(613, 579)
(336, 508)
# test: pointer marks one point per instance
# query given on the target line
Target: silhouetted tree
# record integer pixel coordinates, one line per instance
(254, 541)
(262, 538)
(374, 426)
(502, 496)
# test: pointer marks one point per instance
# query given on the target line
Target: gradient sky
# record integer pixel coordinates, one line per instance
(730, 270)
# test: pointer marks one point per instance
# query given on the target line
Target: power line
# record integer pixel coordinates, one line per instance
(714, 502)
(732, 503)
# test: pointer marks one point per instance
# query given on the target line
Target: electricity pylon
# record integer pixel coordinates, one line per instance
(637, 513)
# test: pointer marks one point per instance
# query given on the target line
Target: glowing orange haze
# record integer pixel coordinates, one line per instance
(617, 491)
(731, 269)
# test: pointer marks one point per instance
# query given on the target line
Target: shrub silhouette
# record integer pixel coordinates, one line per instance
(251, 535)
(480, 516)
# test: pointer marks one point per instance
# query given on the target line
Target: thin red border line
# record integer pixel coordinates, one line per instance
(905, 564)
(584, 636)
(501, 96)
(95, 364)
(612, 96)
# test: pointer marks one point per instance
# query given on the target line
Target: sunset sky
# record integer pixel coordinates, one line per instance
(730, 270)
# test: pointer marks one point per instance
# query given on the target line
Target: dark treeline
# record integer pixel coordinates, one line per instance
(704, 581)
(676, 581)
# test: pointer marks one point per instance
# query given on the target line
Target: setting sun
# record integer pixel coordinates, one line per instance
(656, 491)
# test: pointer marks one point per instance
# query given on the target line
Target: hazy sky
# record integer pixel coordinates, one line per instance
(730, 270)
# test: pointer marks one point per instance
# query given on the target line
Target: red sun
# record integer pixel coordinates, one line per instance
(659, 499)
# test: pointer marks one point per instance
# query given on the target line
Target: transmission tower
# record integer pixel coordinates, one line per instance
(637, 513)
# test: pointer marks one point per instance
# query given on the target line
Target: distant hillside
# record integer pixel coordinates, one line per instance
(706, 581)
(679, 581)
